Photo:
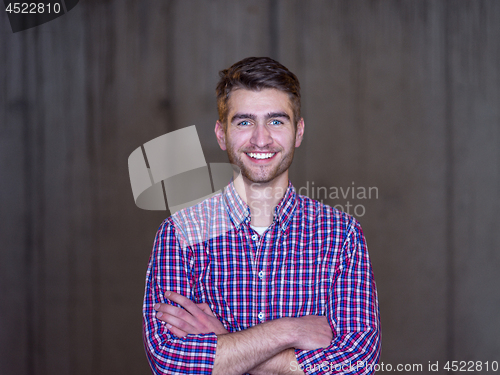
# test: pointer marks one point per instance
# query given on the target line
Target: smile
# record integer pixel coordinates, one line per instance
(260, 155)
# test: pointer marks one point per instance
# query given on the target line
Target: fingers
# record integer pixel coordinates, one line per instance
(178, 323)
(198, 310)
(184, 302)
(177, 319)
(205, 308)
(190, 318)
(176, 331)
(170, 309)
(182, 318)
(175, 316)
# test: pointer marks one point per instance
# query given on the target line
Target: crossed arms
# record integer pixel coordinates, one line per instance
(188, 338)
(263, 349)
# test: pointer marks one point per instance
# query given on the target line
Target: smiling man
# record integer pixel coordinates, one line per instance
(259, 279)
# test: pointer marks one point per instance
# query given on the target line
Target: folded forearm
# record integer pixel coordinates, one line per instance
(242, 351)
(284, 363)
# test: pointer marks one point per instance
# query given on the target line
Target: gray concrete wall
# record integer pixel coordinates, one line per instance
(403, 96)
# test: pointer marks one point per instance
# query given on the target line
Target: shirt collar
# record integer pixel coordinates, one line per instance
(239, 211)
(285, 209)
(236, 208)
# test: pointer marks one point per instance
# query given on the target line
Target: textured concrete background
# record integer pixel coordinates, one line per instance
(403, 96)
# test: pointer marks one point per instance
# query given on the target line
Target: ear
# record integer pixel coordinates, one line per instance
(220, 133)
(299, 133)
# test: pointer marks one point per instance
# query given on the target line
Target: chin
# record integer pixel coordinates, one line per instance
(255, 178)
(261, 178)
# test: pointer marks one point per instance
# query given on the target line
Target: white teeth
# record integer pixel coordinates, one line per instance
(260, 155)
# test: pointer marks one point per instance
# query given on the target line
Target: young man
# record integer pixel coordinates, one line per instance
(259, 279)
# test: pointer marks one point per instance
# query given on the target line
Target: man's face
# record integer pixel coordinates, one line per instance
(260, 137)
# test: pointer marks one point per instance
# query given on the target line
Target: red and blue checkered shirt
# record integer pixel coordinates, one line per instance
(312, 260)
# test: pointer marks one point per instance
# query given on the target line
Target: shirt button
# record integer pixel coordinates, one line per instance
(261, 274)
(261, 316)
(255, 237)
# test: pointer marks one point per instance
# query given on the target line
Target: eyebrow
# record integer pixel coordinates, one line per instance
(278, 114)
(242, 116)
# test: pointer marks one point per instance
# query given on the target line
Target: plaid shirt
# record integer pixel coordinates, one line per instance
(312, 260)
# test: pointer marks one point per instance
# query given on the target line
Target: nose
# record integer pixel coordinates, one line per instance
(261, 136)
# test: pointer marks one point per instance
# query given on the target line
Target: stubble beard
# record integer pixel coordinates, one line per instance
(259, 174)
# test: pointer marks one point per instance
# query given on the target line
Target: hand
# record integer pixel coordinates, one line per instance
(192, 318)
(312, 332)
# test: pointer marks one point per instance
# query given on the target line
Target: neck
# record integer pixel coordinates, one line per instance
(262, 198)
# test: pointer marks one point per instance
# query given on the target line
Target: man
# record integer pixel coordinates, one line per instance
(259, 279)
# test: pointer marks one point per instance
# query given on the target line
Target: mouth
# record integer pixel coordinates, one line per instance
(260, 155)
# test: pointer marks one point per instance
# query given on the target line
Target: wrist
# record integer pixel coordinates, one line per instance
(286, 329)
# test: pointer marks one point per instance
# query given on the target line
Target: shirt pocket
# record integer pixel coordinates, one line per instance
(306, 273)
(305, 287)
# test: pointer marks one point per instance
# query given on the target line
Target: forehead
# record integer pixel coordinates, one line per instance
(259, 102)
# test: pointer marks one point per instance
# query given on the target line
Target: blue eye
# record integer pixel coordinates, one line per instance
(276, 122)
(244, 123)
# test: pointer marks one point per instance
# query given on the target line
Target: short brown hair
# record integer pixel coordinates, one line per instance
(257, 73)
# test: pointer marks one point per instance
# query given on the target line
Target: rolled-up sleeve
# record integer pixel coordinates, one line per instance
(170, 269)
(353, 313)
